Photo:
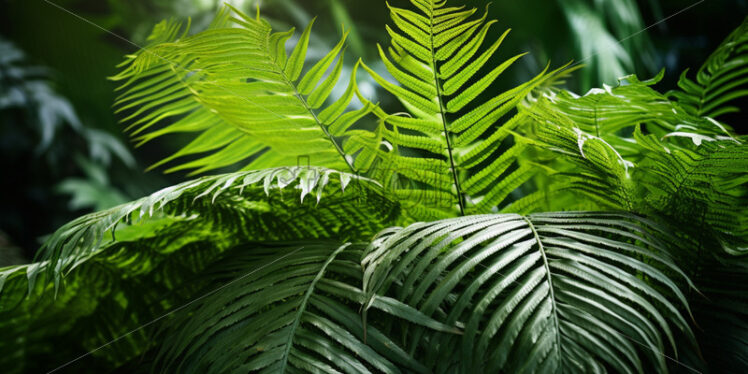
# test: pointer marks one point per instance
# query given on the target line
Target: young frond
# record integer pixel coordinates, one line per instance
(448, 145)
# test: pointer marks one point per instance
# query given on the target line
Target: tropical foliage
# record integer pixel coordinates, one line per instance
(465, 230)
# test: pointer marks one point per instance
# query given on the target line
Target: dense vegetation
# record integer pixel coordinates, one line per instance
(464, 229)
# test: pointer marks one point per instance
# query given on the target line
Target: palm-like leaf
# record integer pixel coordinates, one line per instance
(289, 308)
(722, 78)
(564, 291)
(234, 87)
(448, 145)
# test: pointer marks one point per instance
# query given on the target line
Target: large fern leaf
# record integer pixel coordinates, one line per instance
(235, 88)
(448, 144)
(287, 308)
(571, 292)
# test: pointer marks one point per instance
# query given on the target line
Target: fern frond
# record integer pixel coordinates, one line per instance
(570, 291)
(251, 205)
(722, 78)
(450, 143)
(612, 113)
(158, 243)
(287, 308)
(703, 187)
(234, 88)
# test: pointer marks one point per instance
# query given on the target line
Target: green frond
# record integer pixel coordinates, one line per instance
(233, 87)
(131, 263)
(722, 78)
(589, 166)
(288, 308)
(244, 206)
(701, 187)
(439, 57)
(566, 292)
(612, 113)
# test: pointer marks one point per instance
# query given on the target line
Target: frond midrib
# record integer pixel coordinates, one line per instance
(302, 308)
(442, 112)
(303, 102)
(550, 283)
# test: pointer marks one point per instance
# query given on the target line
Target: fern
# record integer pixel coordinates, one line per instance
(706, 184)
(243, 205)
(684, 167)
(242, 275)
(612, 113)
(234, 87)
(536, 287)
(449, 144)
(289, 313)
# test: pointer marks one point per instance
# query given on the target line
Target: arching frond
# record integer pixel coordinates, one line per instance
(449, 144)
(236, 90)
(247, 204)
(722, 78)
(571, 291)
(287, 308)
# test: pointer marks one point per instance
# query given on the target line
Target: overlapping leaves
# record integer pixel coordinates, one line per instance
(159, 242)
(291, 307)
(571, 292)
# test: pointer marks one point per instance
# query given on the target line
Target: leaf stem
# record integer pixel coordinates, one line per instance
(550, 283)
(443, 115)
